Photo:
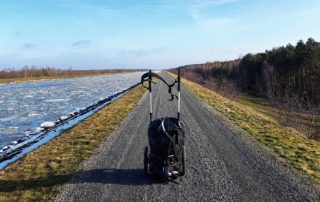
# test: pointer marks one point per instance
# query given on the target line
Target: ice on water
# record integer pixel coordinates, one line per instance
(25, 106)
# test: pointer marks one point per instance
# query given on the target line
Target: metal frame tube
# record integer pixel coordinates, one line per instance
(150, 95)
(179, 96)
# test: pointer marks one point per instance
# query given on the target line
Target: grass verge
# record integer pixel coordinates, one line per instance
(38, 175)
(292, 146)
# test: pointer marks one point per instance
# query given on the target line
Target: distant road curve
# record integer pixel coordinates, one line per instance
(221, 166)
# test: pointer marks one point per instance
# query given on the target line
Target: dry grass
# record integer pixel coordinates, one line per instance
(38, 176)
(291, 145)
(29, 79)
(306, 123)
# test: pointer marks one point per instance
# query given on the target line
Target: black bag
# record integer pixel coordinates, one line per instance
(166, 141)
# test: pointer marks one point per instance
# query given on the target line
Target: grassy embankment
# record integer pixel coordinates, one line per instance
(28, 79)
(304, 122)
(292, 146)
(38, 175)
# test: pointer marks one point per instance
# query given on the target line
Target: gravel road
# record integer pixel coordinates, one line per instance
(221, 165)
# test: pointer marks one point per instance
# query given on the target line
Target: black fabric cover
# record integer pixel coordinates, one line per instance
(165, 142)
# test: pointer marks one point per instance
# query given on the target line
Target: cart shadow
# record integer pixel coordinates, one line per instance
(100, 176)
(115, 176)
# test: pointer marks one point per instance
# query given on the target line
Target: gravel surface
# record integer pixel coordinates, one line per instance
(220, 165)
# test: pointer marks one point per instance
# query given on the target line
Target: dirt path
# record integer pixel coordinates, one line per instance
(220, 165)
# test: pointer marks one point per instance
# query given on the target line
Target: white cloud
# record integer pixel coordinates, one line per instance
(81, 43)
(216, 23)
(28, 45)
(201, 13)
(140, 53)
(198, 8)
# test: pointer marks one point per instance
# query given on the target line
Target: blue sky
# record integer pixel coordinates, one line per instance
(92, 34)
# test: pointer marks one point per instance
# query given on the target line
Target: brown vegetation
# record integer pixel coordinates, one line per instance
(33, 72)
(211, 75)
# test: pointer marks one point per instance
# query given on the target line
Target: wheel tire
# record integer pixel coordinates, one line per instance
(146, 161)
(165, 175)
(183, 162)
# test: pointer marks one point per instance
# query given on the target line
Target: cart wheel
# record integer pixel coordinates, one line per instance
(165, 174)
(146, 161)
(183, 162)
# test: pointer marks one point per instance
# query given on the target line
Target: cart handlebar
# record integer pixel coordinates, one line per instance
(148, 77)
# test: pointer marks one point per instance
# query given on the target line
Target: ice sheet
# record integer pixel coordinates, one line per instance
(24, 106)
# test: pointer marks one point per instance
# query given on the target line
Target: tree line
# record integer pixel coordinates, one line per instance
(291, 71)
(30, 72)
